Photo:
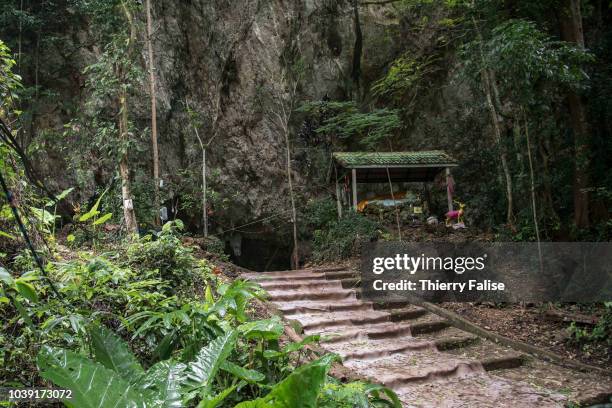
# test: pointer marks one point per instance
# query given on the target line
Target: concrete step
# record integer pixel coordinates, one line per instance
(323, 320)
(278, 296)
(477, 390)
(271, 276)
(312, 306)
(300, 284)
(380, 331)
(320, 321)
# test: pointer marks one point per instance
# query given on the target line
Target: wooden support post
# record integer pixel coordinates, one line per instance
(354, 174)
(449, 196)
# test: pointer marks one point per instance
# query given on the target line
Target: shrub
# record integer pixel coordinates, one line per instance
(601, 332)
(164, 253)
(320, 213)
(342, 238)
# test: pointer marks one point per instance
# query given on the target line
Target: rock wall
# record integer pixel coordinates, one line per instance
(218, 56)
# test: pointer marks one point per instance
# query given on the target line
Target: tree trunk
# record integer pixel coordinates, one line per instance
(533, 194)
(124, 170)
(204, 204)
(397, 211)
(571, 31)
(154, 147)
(295, 257)
(502, 149)
(126, 191)
(490, 89)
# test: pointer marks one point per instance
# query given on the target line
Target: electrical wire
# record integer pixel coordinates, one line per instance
(26, 237)
(7, 138)
(254, 222)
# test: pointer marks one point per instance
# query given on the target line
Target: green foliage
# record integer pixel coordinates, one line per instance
(334, 238)
(320, 213)
(92, 385)
(298, 390)
(404, 80)
(527, 60)
(357, 395)
(602, 332)
(346, 121)
(9, 81)
(165, 254)
(340, 239)
(162, 383)
(201, 347)
(208, 361)
(110, 351)
(106, 381)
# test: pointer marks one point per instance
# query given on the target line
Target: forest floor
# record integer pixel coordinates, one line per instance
(540, 326)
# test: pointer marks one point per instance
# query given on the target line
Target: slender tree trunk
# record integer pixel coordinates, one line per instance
(503, 155)
(152, 83)
(204, 204)
(357, 50)
(571, 31)
(533, 194)
(295, 257)
(126, 191)
(20, 34)
(543, 148)
(490, 90)
(397, 211)
(124, 170)
(203, 148)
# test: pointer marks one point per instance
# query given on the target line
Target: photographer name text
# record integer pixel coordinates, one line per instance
(437, 285)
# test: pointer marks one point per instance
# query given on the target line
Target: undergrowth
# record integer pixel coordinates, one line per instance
(145, 323)
(335, 239)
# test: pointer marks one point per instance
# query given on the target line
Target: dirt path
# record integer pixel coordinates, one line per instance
(427, 361)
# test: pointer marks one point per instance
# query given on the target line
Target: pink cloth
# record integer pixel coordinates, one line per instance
(453, 214)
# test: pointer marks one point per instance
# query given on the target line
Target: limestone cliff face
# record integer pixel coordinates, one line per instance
(218, 56)
(221, 56)
(229, 52)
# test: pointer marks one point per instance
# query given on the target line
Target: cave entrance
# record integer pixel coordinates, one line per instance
(259, 254)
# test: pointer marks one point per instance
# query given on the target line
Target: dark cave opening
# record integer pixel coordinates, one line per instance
(260, 254)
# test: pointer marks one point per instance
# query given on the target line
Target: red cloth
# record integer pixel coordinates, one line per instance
(450, 185)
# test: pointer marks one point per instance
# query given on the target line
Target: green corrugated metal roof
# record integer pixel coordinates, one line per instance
(426, 158)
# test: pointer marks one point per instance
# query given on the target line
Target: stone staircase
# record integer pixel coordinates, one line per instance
(421, 356)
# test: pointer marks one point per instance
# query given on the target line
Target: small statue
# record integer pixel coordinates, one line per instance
(456, 215)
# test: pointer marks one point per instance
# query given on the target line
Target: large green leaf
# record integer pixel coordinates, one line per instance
(376, 389)
(113, 353)
(6, 235)
(268, 329)
(60, 197)
(204, 368)
(166, 346)
(26, 290)
(93, 211)
(299, 390)
(164, 380)
(103, 219)
(251, 376)
(92, 385)
(217, 399)
(6, 277)
(292, 347)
